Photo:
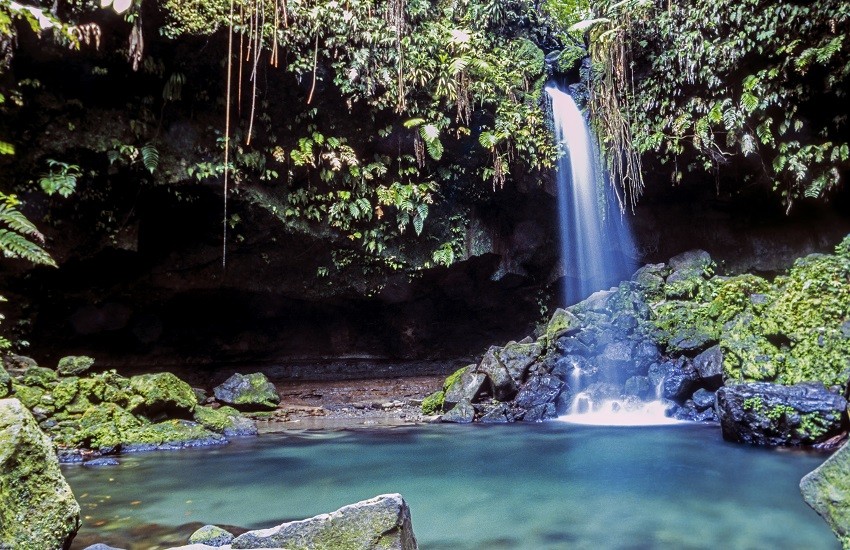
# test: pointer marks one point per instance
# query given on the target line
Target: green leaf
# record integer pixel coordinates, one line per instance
(150, 157)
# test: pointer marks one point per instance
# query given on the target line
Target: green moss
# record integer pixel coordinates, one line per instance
(39, 376)
(753, 404)
(106, 426)
(5, 382)
(813, 426)
(779, 411)
(65, 391)
(168, 432)
(453, 378)
(433, 404)
(734, 296)
(562, 321)
(217, 420)
(30, 396)
(163, 392)
(74, 365)
(683, 325)
(37, 508)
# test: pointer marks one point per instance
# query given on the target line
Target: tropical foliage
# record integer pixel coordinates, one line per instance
(702, 85)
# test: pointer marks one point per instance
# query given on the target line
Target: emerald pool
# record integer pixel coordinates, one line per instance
(543, 486)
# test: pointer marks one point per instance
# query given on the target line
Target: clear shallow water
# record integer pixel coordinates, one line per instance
(548, 486)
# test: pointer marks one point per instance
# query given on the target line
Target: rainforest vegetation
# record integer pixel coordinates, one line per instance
(372, 130)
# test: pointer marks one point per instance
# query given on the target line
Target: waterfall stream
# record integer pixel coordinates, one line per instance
(595, 239)
(596, 251)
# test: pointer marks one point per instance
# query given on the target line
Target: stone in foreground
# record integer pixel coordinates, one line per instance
(248, 392)
(37, 509)
(211, 535)
(761, 413)
(827, 491)
(382, 523)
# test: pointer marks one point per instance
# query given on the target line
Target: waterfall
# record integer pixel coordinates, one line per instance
(596, 251)
(596, 242)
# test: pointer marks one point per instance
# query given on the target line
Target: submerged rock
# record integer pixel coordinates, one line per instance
(827, 491)
(37, 508)
(761, 413)
(382, 523)
(248, 392)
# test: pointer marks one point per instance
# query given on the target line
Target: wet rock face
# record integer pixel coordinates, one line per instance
(37, 508)
(383, 523)
(827, 491)
(762, 413)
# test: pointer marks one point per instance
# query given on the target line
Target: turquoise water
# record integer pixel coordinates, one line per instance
(543, 486)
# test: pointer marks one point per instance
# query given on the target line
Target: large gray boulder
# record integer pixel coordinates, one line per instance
(381, 523)
(761, 413)
(504, 386)
(827, 491)
(37, 508)
(248, 392)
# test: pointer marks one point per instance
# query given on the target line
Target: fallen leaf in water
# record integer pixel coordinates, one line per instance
(135, 503)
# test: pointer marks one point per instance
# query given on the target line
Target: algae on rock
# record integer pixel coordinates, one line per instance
(827, 491)
(37, 508)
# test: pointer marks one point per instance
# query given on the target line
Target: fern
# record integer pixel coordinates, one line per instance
(150, 157)
(17, 234)
(444, 255)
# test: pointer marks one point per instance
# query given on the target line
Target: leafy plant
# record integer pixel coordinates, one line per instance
(61, 179)
(19, 238)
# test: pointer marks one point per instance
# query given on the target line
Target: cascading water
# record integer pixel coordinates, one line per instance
(596, 251)
(595, 239)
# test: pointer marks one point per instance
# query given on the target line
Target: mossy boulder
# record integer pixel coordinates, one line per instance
(169, 434)
(503, 381)
(683, 326)
(40, 377)
(74, 365)
(562, 322)
(382, 522)
(468, 386)
(30, 396)
(224, 420)
(433, 404)
(249, 392)
(37, 508)
(106, 427)
(163, 393)
(827, 491)
(767, 414)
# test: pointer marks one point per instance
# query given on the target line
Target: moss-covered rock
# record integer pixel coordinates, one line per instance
(40, 377)
(382, 522)
(30, 396)
(433, 404)
(211, 535)
(224, 420)
(74, 365)
(5, 382)
(163, 393)
(248, 392)
(827, 491)
(106, 426)
(561, 323)
(37, 508)
(683, 326)
(169, 434)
